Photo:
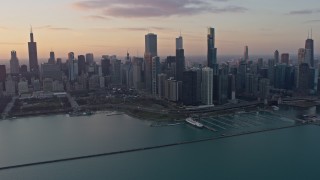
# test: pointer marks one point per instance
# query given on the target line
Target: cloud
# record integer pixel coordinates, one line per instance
(230, 9)
(155, 8)
(95, 17)
(11, 43)
(300, 12)
(145, 29)
(49, 27)
(304, 12)
(312, 21)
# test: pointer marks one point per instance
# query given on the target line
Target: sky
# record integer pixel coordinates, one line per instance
(107, 27)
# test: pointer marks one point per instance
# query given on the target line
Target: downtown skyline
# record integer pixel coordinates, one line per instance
(87, 26)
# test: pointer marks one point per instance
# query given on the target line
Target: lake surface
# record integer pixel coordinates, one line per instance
(282, 154)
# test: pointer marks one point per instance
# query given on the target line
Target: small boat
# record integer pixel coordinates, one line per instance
(114, 113)
(78, 113)
(276, 108)
(194, 123)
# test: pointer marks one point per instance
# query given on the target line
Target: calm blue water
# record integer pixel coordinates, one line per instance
(283, 154)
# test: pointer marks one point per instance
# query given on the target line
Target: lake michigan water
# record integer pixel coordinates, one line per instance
(282, 154)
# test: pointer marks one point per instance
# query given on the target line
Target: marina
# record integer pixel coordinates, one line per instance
(242, 122)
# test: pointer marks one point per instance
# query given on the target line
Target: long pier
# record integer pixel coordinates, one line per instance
(142, 149)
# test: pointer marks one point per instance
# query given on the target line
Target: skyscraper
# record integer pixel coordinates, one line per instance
(212, 51)
(81, 64)
(309, 52)
(33, 55)
(179, 42)
(3, 73)
(246, 53)
(301, 55)
(52, 59)
(180, 59)
(155, 72)
(285, 58)
(304, 75)
(276, 56)
(89, 58)
(151, 51)
(207, 86)
(190, 90)
(151, 46)
(105, 65)
(72, 67)
(14, 63)
(138, 73)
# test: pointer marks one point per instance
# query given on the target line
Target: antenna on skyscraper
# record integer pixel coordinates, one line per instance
(31, 31)
(311, 33)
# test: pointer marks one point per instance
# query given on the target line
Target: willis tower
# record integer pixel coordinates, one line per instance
(33, 56)
(212, 51)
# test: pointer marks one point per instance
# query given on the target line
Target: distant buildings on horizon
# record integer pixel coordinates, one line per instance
(171, 78)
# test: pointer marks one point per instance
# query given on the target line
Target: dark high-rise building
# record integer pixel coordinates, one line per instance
(190, 90)
(52, 59)
(151, 46)
(304, 75)
(285, 58)
(271, 64)
(24, 69)
(180, 64)
(151, 51)
(3, 73)
(89, 58)
(246, 53)
(289, 78)
(241, 77)
(180, 59)
(33, 55)
(14, 63)
(81, 64)
(220, 94)
(231, 87)
(313, 80)
(309, 57)
(276, 57)
(212, 51)
(280, 76)
(169, 67)
(155, 73)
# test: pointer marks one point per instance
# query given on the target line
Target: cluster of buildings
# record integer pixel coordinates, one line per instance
(168, 79)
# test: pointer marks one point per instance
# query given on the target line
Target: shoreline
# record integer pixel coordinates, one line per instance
(138, 114)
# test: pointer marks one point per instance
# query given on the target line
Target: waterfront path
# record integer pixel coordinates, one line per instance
(141, 149)
(74, 104)
(8, 108)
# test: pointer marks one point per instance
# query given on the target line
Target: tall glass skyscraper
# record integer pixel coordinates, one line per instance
(309, 58)
(151, 51)
(212, 51)
(180, 59)
(33, 55)
(151, 44)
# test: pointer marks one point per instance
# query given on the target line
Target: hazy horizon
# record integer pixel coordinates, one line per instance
(115, 27)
